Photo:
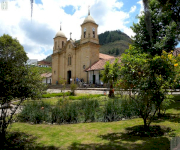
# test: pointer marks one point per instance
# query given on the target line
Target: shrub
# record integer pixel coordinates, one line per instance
(55, 95)
(112, 110)
(89, 107)
(35, 112)
(73, 88)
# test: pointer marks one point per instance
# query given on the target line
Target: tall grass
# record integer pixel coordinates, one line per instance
(86, 110)
(55, 95)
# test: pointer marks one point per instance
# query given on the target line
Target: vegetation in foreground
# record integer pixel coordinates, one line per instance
(125, 135)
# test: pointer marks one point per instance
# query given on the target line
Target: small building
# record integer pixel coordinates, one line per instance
(44, 64)
(47, 78)
(32, 62)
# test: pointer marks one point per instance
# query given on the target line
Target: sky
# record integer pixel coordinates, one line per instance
(36, 34)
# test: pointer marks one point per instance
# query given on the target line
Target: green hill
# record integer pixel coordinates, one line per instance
(112, 43)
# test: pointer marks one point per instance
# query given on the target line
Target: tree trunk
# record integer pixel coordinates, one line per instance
(111, 90)
(3, 137)
(146, 126)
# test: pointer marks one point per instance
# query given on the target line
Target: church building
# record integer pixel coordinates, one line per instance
(78, 59)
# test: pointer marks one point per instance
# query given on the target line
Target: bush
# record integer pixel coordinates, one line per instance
(129, 108)
(89, 107)
(86, 110)
(35, 112)
(82, 97)
(67, 113)
(112, 110)
(73, 88)
(55, 95)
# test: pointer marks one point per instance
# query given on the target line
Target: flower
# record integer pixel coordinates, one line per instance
(175, 65)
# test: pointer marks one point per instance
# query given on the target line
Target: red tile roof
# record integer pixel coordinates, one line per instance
(99, 65)
(46, 75)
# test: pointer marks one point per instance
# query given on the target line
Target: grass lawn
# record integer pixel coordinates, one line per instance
(99, 135)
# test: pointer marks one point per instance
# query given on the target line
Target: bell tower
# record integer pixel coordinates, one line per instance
(59, 41)
(89, 30)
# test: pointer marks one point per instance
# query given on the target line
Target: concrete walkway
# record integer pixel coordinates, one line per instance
(97, 91)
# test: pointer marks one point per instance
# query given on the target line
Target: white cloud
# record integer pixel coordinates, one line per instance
(140, 2)
(37, 35)
(133, 8)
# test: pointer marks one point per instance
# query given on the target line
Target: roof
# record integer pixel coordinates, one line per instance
(60, 34)
(46, 75)
(89, 19)
(176, 51)
(104, 56)
(44, 63)
(99, 65)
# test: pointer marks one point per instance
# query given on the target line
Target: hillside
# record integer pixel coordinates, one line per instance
(112, 43)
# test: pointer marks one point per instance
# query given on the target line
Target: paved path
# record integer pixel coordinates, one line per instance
(96, 91)
(9, 110)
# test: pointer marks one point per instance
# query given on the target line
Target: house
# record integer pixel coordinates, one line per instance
(32, 62)
(44, 64)
(78, 59)
(47, 78)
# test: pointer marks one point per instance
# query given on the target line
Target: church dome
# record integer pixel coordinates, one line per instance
(60, 33)
(89, 19)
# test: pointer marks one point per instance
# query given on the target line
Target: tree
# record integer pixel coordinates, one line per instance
(17, 80)
(117, 51)
(149, 68)
(110, 74)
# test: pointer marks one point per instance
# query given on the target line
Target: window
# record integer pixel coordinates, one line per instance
(84, 66)
(55, 45)
(93, 29)
(62, 44)
(54, 72)
(84, 32)
(69, 60)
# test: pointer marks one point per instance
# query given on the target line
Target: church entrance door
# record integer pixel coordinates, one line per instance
(68, 76)
(94, 79)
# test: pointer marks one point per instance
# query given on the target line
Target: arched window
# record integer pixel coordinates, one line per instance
(62, 44)
(55, 45)
(93, 30)
(84, 32)
(69, 60)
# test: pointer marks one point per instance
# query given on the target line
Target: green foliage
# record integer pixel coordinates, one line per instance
(73, 88)
(112, 111)
(112, 36)
(148, 68)
(42, 70)
(121, 45)
(16, 79)
(55, 95)
(36, 112)
(82, 97)
(86, 110)
(110, 74)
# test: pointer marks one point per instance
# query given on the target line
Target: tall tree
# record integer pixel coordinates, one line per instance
(148, 67)
(110, 74)
(17, 80)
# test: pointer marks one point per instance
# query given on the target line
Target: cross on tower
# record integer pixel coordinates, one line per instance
(89, 10)
(70, 35)
(60, 25)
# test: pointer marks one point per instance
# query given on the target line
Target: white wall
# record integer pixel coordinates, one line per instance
(90, 76)
(47, 80)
